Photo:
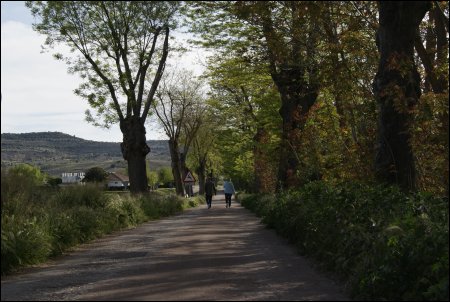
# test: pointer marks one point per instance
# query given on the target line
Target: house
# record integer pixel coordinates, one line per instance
(117, 181)
(72, 177)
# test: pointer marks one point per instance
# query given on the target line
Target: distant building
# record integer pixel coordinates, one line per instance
(118, 181)
(72, 177)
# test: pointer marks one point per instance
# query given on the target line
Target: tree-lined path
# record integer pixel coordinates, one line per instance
(202, 254)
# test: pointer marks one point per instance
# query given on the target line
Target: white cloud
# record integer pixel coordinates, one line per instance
(37, 91)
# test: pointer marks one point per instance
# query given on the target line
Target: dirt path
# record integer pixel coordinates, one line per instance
(203, 254)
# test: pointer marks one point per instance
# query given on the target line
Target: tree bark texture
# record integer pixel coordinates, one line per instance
(134, 149)
(397, 90)
(176, 167)
(265, 175)
(297, 97)
(201, 172)
(433, 56)
(295, 77)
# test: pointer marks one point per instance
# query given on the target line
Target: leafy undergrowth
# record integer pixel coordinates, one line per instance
(385, 244)
(40, 222)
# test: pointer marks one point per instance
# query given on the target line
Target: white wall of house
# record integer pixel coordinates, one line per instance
(115, 184)
(72, 177)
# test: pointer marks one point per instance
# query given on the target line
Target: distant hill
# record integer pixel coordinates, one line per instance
(56, 152)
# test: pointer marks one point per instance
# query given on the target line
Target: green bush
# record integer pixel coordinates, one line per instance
(24, 242)
(95, 174)
(170, 204)
(39, 222)
(86, 195)
(126, 210)
(63, 230)
(195, 201)
(133, 210)
(86, 222)
(22, 181)
(410, 258)
(386, 244)
(150, 205)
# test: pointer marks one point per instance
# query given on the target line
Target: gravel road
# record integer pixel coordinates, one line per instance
(202, 254)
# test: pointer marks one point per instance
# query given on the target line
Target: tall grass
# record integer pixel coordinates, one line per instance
(39, 222)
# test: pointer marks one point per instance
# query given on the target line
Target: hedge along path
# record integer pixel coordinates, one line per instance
(201, 254)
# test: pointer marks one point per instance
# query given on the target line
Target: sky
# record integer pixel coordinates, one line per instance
(36, 90)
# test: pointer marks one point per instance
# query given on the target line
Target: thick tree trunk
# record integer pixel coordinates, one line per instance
(292, 69)
(397, 90)
(297, 97)
(201, 172)
(265, 178)
(442, 85)
(183, 166)
(134, 149)
(435, 55)
(176, 169)
(183, 172)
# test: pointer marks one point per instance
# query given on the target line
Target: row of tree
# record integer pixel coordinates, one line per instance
(349, 76)
(299, 90)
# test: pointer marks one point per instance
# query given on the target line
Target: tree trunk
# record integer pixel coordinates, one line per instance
(201, 172)
(265, 180)
(292, 67)
(397, 90)
(184, 171)
(435, 55)
(297, 97)
(442, 85)
(175, 163)
(134, 149)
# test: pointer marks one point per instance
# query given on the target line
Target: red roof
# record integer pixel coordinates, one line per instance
(114, 176)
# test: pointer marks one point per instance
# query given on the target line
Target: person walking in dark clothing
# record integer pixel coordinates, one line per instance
(209, 189)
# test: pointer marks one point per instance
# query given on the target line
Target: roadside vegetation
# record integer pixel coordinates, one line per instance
(384, 244)
(39, 222)
(333, 115)
(322, 127)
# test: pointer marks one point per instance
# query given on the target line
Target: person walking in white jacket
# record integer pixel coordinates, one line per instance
(228, 189)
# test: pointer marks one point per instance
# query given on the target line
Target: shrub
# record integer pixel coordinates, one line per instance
(23, 180)
(42, 221)
(63, 231)
(24, 241)
(170, 204)
(195, 201)
(386, 244)
(54, 181)
(87, 195)
(86, 222)
(126, 210)
(95, 174)
(150, 206)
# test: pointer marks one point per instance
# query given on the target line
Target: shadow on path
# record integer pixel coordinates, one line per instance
(202, 254)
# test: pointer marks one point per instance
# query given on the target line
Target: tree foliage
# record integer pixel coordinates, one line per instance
(117, 43)
(430, 135)
(244, 95)
(179, 109)
(397, 90)
(165, 176)
(334, 41)
(328, 99)
(27, 173)
(95, 174)
(121, 46)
